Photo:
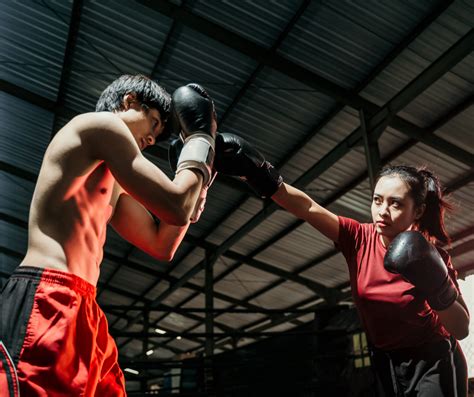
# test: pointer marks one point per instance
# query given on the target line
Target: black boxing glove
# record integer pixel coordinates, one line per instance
(193, 118)
(174, 152)
(420, 263)
(235, 156)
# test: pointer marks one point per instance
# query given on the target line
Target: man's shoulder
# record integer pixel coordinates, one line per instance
(96, 127)
(81, 138)
(94, 120)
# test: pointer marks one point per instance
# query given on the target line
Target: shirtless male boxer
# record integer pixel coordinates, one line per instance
(54, 338)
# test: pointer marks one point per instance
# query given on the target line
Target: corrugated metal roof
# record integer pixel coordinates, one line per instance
(34, 37)
(253, 20)
(342, 42)
(459, 130)
(332, 272)
(15, 195)
(25, 133)
(13, 238)
(8, 264)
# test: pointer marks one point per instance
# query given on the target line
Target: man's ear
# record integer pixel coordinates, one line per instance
(128, 99)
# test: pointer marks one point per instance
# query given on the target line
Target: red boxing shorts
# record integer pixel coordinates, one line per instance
(54, 339)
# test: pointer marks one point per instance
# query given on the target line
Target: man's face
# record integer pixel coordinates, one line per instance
(145, 123)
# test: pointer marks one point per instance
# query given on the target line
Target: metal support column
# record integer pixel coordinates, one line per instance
(371, 147)
(209, 323)
(209, 291)
(146, 324)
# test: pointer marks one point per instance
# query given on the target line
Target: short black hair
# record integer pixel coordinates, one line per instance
(147, 91)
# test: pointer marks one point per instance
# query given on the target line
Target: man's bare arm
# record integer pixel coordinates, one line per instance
(136, 225)
(108, 138)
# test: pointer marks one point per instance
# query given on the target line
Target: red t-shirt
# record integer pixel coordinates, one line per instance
(394, 314)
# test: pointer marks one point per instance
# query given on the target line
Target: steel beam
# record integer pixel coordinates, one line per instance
(371, 148)
(186, 310)
(450, 58)
(209, 303)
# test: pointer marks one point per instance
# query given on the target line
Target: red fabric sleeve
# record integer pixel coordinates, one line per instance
(350, 238)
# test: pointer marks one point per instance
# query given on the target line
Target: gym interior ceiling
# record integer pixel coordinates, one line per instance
(327, 90)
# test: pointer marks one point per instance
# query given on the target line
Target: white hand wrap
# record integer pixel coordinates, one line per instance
(198, 153)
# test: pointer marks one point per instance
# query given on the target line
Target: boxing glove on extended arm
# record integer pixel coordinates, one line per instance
(420, 263)
(193, 118)
(235, 156)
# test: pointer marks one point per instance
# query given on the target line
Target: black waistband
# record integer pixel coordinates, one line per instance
(54, 276)
(428, 351)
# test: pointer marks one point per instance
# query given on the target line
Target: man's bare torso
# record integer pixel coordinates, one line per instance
(70, 207)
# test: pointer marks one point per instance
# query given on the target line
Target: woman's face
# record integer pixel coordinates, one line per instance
(393, 208)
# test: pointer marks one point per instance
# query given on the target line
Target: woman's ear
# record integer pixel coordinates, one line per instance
(420, 211)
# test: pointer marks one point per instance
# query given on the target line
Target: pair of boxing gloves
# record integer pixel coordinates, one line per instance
(194, 117)
(200, 147)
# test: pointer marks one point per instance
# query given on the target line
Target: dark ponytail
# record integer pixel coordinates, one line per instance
(432, 220)
(425, 188)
